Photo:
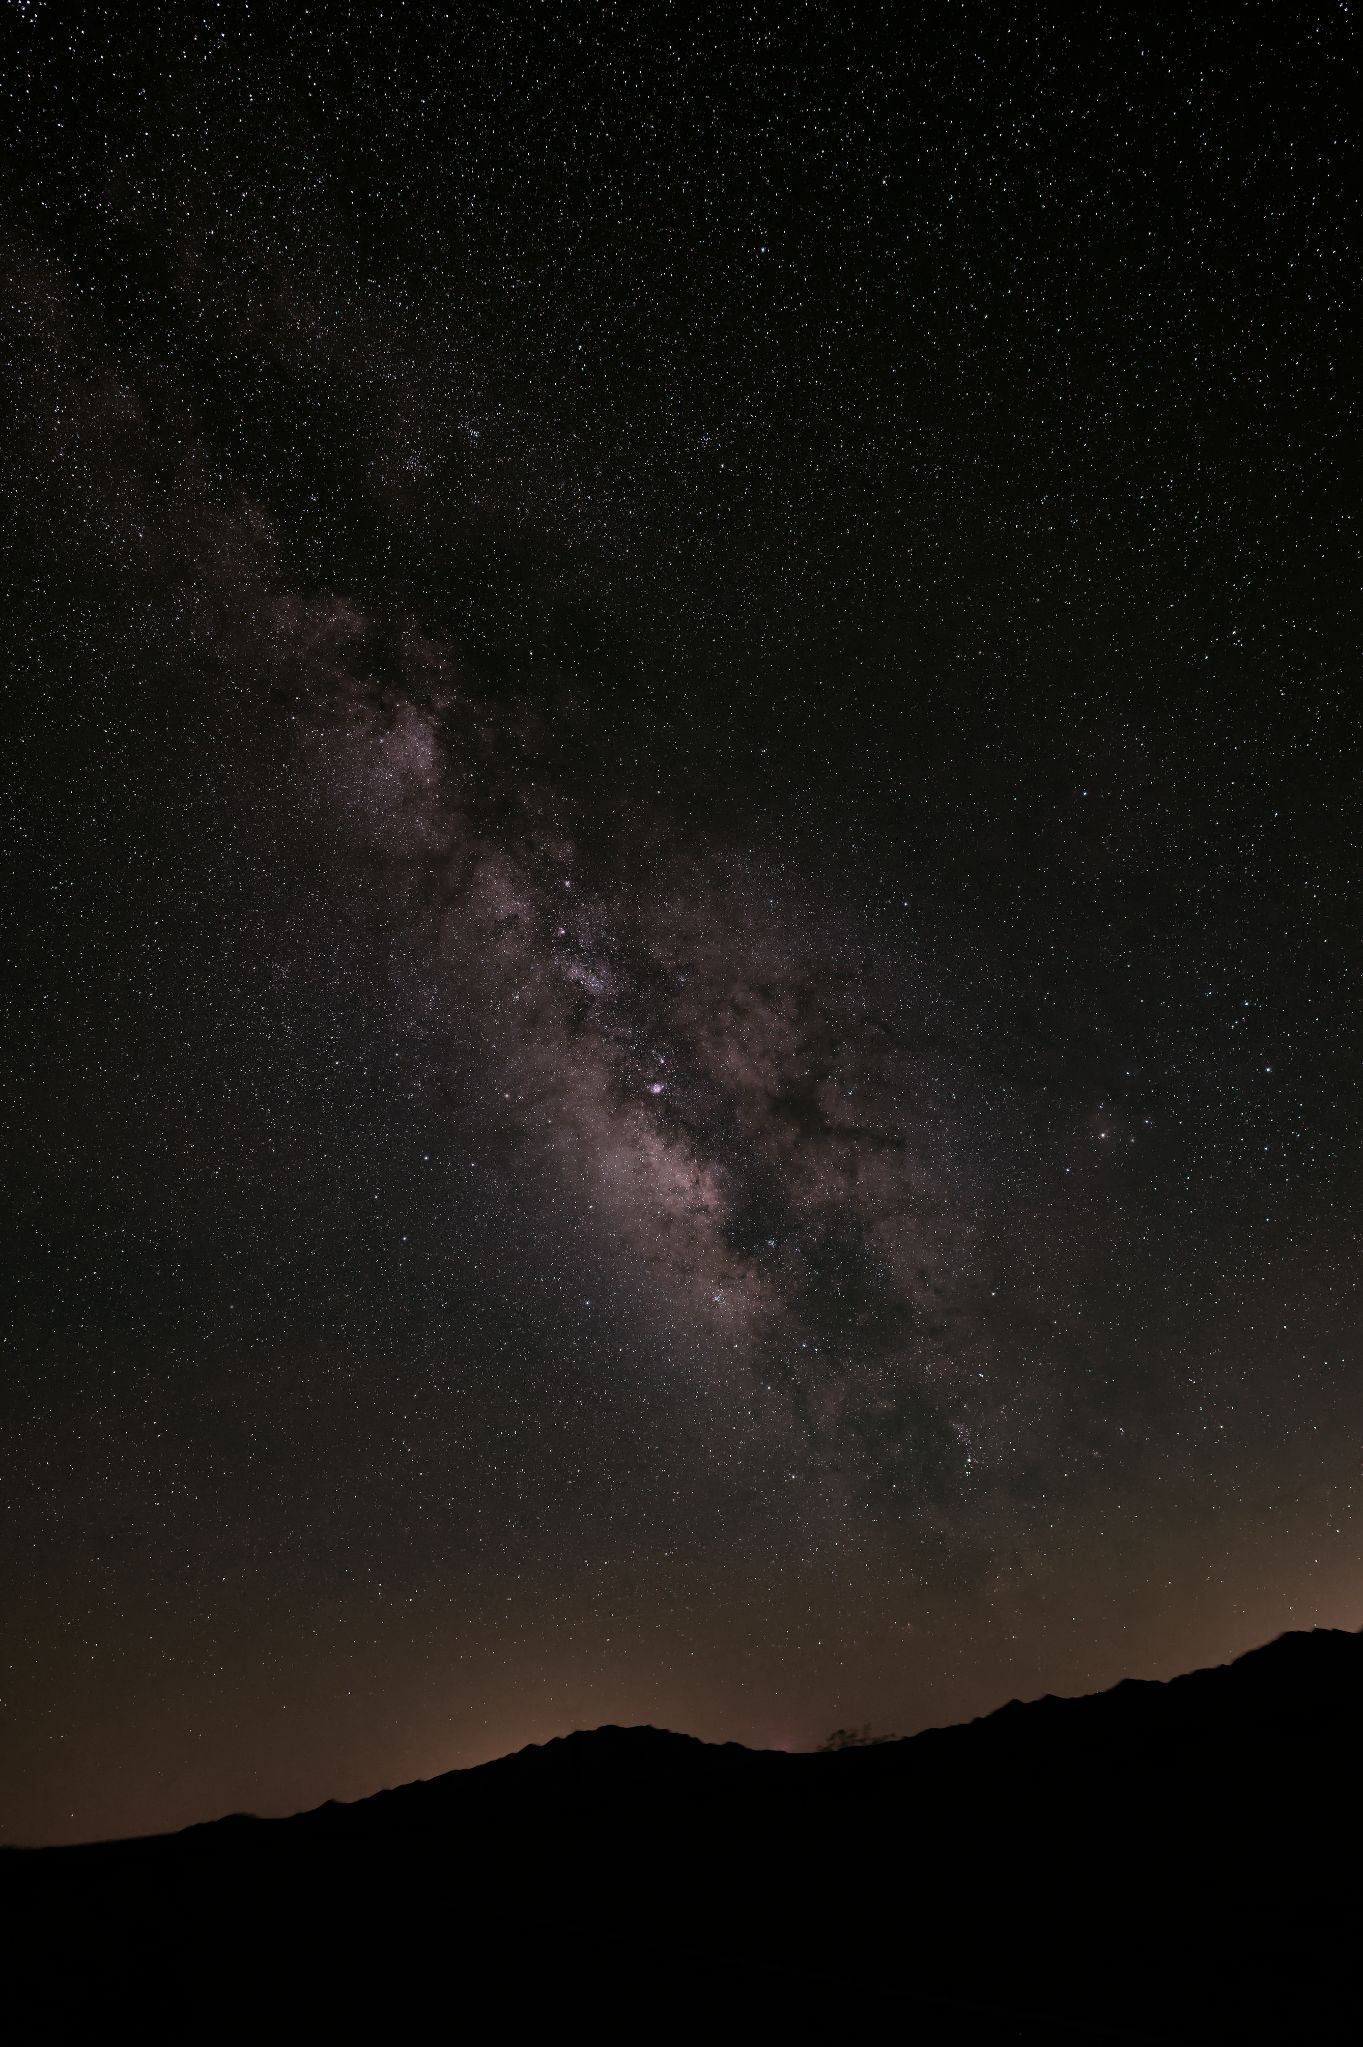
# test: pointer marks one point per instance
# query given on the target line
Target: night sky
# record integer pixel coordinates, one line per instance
(681, 1024)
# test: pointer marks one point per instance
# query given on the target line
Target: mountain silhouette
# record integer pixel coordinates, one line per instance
(1160, 1862)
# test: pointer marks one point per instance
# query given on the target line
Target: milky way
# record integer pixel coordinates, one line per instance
(686, 1033)
(750, 1121)
(746, 1102)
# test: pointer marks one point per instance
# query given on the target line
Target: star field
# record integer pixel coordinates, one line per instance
(685, 878)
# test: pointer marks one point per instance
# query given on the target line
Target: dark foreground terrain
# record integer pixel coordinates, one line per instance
(1176, 1862)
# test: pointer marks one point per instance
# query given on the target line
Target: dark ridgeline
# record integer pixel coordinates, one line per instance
(1159, 1862)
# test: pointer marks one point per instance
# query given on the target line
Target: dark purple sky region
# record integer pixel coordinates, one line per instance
(683, 769)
